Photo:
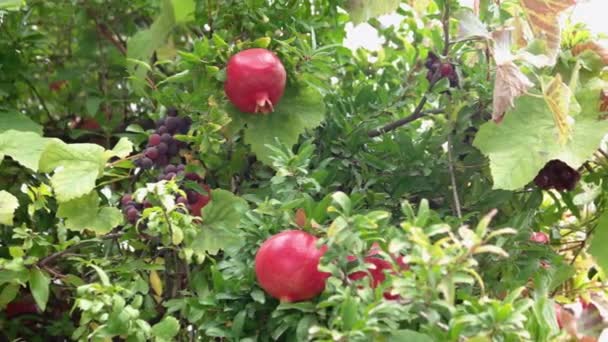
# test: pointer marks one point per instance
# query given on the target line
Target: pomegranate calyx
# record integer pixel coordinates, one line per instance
(263, 104)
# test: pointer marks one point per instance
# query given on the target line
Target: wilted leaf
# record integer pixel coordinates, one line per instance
(543, 17)
(156, 283)
(596, 47)
(469, 26)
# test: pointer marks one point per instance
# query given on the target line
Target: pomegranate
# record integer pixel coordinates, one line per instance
(255, 80)
(540, 237)
(286, 266)
(202, 201)
(377, 272)
(21, 307)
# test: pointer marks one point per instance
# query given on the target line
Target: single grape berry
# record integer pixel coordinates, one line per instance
(172, 124)
(126, 199)
(446, 69)
(182, 200)
(154, 140)
(132, 215)
(160, 122)
(193, 196)
(170, 176)
(162, 148)
(192, 176)
(146, 163)
(170, 169)
(161, 130)
(255, 80)
(173, 149)
(166, 138)
(181, 167)
(152, 153)
(171, 111)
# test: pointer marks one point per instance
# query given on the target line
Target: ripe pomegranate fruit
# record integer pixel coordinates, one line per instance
(540, 237)
(203, 200)
(255, 80)
(377, 272)
(286, 266)
(21, 306)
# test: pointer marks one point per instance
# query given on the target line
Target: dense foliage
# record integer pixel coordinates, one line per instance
(450, 186)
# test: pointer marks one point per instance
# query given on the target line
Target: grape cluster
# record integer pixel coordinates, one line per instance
(445, 69)
(162, 146)
(194, 200)
(557, 175)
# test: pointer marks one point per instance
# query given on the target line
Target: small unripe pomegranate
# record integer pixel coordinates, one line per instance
(255, 80)
(286, 266)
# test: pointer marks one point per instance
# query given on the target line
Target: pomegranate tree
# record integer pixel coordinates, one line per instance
(286, 266)
(255, 80)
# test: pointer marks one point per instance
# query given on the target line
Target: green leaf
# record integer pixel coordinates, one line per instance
(183, 10)
(469, 25)
(528, 138)
(39, 285)
(123, 149)
(11, 5)
(76, 168)
(296, 112)
(410, 336)
(599, 241)
(363, 10)
(221, 218)
(103, 277)
(18, 122)
(84, 213)
(166, 329)
(8, 205)
(23, 147)
(8, 293)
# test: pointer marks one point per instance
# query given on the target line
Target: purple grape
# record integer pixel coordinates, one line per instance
(192, 176)
(162, 160)
(132, 215)
(152, 153)
(181, 167)
(193, 196)
(171, 111)
(161, 130)
(170, 169)
(146, 163)
(126, 199)
(182, 200)
(162, 148)
(154, 140)
(147, 204)
(172, 124)
(166, 138)
(173, 149)
(170, 176)
(160, 122)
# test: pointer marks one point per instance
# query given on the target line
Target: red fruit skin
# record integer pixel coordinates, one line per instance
(540, 237)
(286, 266)
(255, 80)
(203, 200)
(21, 307)
(446, 69)
(378, 275)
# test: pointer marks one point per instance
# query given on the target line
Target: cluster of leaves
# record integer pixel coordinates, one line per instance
(407, 148)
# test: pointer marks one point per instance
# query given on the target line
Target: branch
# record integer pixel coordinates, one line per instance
(453, 178)
(38, 96)
(417, 114)
(46, 260)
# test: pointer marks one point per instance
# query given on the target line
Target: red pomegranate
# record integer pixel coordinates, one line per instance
(540, 237)
(21, 306)
(377, 272)
(286, 266)
(255, 80)
(203, 200)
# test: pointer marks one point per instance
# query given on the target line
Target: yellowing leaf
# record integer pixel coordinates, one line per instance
(510, 83)
(543, 18)
(156, 283)
(363, 10)
(300, 218)
(8, 205)
(558, 95)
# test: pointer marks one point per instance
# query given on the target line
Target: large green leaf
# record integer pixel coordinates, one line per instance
(599, 241)
(84, 213)
(23, 147)
(363, 10)
(221, 218)
(11, 5)
(296, 112)
(76, 168)
(410, 336)
(8, 204)
(39, 285)
(529, 137)
(18, 122)
(166, 329)
(183, 10)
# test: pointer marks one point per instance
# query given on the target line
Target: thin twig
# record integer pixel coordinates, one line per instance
(453, 178)
(38, 96)
(417, 114)
(48, 259)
